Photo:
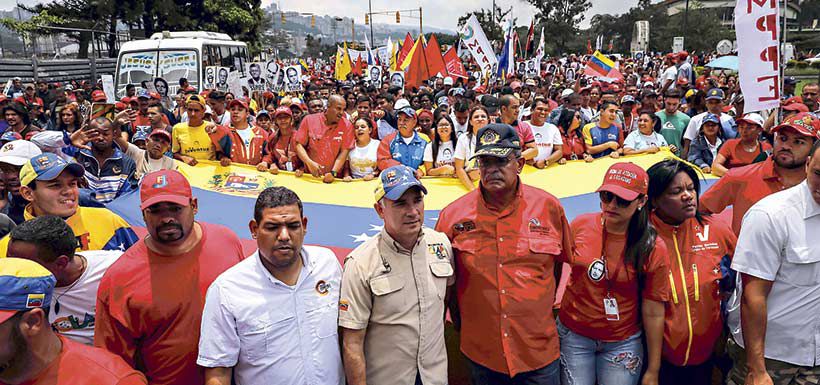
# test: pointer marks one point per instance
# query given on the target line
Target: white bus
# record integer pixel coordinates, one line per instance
(175, 55)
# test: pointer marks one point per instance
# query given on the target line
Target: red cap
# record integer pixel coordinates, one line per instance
(238, 102)
(119, 106)
(795, 106)
(155, 96)
(125, 100)
(683, 54)
(626, 180)
(267, 95)
(801, 122)
(160, 132)
(98, 96)
(164, 186)
(282, 110)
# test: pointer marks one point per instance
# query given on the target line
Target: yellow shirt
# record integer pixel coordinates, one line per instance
(192, 141)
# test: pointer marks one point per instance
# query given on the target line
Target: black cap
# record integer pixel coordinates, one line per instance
(497, 139)
(490, 103)
(790, 80)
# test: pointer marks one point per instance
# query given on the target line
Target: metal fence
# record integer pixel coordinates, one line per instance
(35, 69)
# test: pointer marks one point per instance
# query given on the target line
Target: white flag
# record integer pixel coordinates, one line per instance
(758, 40)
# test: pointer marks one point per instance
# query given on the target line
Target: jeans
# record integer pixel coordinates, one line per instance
(481, 375)
(585, 361)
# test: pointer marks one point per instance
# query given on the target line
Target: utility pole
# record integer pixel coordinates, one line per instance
(685, 19)
(370, 16)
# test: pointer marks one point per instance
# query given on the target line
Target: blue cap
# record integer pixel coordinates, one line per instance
(144, 94)
(394, 181)
(714, 93)
(140, 135)
(10, 136)
(47, 166)
(409, 111)
(24, 285)
(710, 118)
(443, 101)
(628, 99)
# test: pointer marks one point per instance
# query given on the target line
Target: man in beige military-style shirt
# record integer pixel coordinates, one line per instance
(391, 308)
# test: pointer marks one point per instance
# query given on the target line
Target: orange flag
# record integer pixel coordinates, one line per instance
(357, 67)
(406, 47)
(417, 71)
(454, 65)
(435, 61)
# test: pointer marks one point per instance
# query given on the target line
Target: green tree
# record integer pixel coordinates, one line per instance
(561, 19)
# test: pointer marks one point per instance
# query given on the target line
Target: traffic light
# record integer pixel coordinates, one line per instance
(283, 18)
(398, 18)
(313, 21)
(366, 19)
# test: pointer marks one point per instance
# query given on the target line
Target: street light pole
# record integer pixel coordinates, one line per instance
(370, 16)
(421, 30)
(685, 19)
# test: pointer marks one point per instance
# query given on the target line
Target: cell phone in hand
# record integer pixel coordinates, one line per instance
(106, 110)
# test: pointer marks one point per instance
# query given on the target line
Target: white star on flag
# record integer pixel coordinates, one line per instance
(363, 237)
(375, 228)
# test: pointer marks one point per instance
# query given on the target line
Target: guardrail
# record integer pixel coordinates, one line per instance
(34, 69)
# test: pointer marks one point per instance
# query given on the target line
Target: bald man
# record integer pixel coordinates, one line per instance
(324, 140)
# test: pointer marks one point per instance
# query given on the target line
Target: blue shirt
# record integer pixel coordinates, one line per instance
(599, 136)
(410, 155)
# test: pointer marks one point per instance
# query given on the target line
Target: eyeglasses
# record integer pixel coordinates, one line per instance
(493, 161)
(607, 197)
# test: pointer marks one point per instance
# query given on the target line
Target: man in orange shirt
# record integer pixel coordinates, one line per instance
(742, 187)
(149, 303)
(31, 352)
(324, 139)
(507, 238)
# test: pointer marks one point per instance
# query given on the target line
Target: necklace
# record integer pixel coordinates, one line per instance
(753, 148)
(57, 300)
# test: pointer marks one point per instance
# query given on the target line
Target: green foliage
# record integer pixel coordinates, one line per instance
(561, 19)
(791, 63)
(32, 26)
(815, 65)
(802, 64)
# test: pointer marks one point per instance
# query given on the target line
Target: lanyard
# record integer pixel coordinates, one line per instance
(609, 279)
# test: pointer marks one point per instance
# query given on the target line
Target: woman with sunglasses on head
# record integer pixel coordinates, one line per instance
(569, 125)
(700, 250)
(466, 169)
(617, 290)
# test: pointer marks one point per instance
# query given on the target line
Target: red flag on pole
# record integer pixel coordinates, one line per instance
(530, 35)
(454, 66)
(357, 66)
(406, 47)
(417, 71)
(435, 64)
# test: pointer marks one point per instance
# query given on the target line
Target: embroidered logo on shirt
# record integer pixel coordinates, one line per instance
(343, 305)
(596, 270)
(535, 227)
(437, 249)
(322, 287)
(464, 227)
(703, 235)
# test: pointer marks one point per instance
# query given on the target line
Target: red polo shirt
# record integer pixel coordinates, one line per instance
(323, 143)
(504, 277)
(741, 188)
(582, 309)
(736, 156)
(693, 320)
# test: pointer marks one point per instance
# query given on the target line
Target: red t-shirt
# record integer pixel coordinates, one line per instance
(81, 364)
(582, 309)
(149, 306)
(324, 143)
(736, 156)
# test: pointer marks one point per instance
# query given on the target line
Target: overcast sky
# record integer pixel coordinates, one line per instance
(437, 13)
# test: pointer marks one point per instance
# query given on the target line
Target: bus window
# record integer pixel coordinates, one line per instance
(177, 64)
(135, 68)
(225, 55)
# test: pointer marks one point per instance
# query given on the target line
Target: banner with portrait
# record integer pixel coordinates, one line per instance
(254, 77)
(293, 78)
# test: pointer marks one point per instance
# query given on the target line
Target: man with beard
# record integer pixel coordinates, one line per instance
(17, 117)
(108, 172)
(742, 187)
(149, 304)
(52, 187)
(32, 353)
(292, 288)
(13, 155)
(324, 140)
(391, 309)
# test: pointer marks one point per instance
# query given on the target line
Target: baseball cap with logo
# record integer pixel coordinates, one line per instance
(238, 102)
(401, 103)
(24, 285)
(98, 96)
(47, 166)
(18, 152)
(160, 132)
(282, 111)
(143, 94)
(409, 111)
(164, 186)
(394, 181)
(626, 180)
(627, 99)
(710, 118)
(140, 135)
(10, 136)
(801, 122)
(497, 139)
(714, 93)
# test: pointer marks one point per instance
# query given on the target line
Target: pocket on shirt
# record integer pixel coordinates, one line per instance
(325, 318)
(442, 271)
(802, 266)
(254, 336)
(387, 294)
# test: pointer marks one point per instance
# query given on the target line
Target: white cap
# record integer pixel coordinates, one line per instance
(567, 92)
(18, 152)
(401, 103)
(648, 84)
(753, 118)
(448, 81)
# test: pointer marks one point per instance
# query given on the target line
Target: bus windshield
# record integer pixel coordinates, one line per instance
(141, 68)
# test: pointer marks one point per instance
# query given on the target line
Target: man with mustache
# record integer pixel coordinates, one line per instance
(742, 187)
(289, 291)
(149, 304)
(507, 238)
(31, 352)
(391, 309)
(324, 140)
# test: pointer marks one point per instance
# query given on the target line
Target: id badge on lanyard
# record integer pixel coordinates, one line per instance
(610, 303)
(611, 309)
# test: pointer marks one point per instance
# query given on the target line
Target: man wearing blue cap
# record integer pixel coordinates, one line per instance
(31, 352)
(406, 146)
(391, 309)
(714, 105)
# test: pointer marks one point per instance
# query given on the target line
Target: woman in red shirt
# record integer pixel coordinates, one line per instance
(700, 250)
(618, 260)
(745, 149)
(281, 150)
(569, 125)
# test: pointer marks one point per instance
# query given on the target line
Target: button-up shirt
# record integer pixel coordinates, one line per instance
(504, 277)
(741, 188)
(779, 244)
(398, 296)
(273, 333)
(394, 150)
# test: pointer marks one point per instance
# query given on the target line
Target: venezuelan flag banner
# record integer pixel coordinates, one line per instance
(341, 215)
(601, 66)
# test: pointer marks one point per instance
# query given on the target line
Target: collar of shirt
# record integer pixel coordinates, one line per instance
(307, 267)
(519, 195)
(810, 206)
(116, 155)
(394, 246)
(767, 170)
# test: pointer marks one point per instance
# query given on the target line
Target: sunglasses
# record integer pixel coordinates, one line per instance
(607, 197)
